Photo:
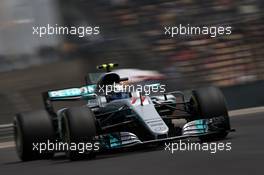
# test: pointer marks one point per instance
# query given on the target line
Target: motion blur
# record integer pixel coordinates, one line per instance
(132, 34)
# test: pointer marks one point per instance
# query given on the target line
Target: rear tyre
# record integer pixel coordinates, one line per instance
(209, 103)
(79, 127)
(33, 128)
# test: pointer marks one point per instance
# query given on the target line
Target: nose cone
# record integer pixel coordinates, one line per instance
(151, 119)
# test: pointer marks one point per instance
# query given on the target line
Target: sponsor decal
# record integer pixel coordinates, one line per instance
(86, 90)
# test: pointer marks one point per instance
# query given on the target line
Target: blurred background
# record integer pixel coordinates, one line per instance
(131, 34)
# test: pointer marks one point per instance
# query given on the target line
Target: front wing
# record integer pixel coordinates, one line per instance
(119, 140)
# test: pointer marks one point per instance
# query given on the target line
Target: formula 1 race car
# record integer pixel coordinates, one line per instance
(118, 119)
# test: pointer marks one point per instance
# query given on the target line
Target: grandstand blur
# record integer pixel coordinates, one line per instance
(134, 32)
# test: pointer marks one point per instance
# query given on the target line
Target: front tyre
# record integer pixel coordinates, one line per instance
(79, 127)
(209, 103)
(33, 128)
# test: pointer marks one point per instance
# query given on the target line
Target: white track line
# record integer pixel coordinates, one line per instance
(6, 126)
(7, 144)
(232, 113)
(246, 111)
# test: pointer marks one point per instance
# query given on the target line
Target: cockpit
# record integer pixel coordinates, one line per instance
(110, 86)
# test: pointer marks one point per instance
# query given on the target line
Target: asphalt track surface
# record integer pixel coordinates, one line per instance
(246, 157)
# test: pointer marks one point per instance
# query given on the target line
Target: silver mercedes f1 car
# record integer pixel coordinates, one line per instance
(118, 119)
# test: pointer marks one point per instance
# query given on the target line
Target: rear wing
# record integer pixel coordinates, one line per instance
(69, 94)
